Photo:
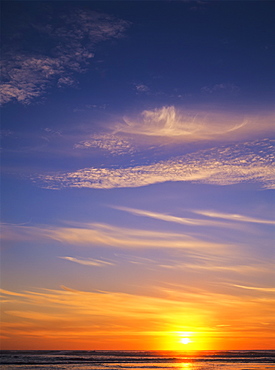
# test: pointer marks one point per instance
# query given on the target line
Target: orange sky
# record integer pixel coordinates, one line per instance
(73, 319)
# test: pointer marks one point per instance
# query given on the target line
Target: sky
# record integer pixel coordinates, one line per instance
(137, 183)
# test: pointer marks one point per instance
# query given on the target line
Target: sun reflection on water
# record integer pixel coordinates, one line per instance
(186, 366)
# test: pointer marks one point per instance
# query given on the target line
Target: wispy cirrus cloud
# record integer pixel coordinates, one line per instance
(195, 125)
(54, 317)
(226, 165)
(169, 127)
(255, 288)
(27, 74)
(93, 234)
(212, 262)
(89, 261)
(235, 217)
(216, 267)
(171, 218)
(48, 313)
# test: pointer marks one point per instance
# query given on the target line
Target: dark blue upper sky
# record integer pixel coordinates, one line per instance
(183, 52)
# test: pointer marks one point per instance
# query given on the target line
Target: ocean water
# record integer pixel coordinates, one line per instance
(145, 360)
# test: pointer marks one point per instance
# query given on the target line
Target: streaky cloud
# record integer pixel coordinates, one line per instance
(226, 165)
(260, 289)
(235, 217)
(106, 235)
(89, 262)
(89, 315)
(171, 218)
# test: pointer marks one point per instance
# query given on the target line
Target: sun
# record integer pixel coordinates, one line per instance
(181, 340)
(185, 340)
(184, 337)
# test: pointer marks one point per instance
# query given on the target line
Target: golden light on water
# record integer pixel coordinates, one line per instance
(186, 366)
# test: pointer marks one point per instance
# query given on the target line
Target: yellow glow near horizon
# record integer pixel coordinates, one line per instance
(182, 341)
(39, 320)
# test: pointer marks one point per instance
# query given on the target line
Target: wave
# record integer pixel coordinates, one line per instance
(56, 357)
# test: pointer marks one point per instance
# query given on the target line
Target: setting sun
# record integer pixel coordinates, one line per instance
(185, 340)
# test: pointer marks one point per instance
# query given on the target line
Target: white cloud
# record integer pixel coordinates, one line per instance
(27, 74)
(93, 234)
(245, 162)
(235, 217)
(66, 81)
(26, 77)
(260, 289)
(189, 126)
(89, 261)
(171, 218)
(115, 144)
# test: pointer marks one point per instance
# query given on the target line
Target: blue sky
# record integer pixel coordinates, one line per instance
(137, 160)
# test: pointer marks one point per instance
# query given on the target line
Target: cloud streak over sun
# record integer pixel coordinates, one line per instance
(109, 314)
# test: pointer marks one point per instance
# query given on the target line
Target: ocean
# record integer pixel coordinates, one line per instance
(98, 360)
